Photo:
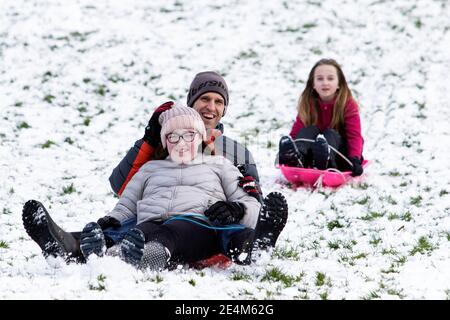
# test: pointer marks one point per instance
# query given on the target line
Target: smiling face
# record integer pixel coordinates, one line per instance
(326, 82)
(183, 151)
(210, 106)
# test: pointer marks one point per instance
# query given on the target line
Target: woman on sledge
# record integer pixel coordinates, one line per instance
(182, 203)
(327, 129)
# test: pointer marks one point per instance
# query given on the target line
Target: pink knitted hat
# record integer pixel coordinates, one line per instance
(180, 117)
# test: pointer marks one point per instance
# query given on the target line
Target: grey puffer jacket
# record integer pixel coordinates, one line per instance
(162, 189)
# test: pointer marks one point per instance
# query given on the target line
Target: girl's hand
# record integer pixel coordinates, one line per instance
(357, 169)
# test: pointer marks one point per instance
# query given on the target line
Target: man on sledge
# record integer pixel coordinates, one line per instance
(208, 95)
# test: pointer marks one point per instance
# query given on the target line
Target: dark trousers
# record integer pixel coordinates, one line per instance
(333, 138)
(186, 241)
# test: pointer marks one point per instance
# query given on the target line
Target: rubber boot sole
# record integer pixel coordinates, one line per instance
(46, 233)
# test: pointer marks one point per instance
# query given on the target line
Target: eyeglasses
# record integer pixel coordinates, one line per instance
(187, 136)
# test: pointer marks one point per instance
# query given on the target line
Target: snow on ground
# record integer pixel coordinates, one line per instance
(79, 79)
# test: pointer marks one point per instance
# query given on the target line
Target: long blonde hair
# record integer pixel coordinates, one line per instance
(308, 102)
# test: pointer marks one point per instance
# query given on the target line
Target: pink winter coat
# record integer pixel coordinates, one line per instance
(352, 125)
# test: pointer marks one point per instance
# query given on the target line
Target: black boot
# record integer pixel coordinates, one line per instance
(289, 154)
(47, 234)
(92, 240)
(240, 246)
(321, 153)
(272, 220)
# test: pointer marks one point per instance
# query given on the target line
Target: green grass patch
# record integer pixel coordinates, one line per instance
(363, 186)
(101, 90)
(372, 295)
(391, 251)
(394, 173)
(390, 200)
(363, 201)
(324, 295)
(320, 279)
(401, 260)
(100, 285)
(4, 245)
(423, 246)
(87, 121)
(334, 224)
(47, 144)
(192, 282)
(157, 279)
(287, 253)
(69, 189)
(393, 216)
(334, 245)
(372, 215)
(375, 241)
(238, 276)
(406, 216)
(361, 255)
(23, 125)
(415, 201)
(49, 98)
(276, 275)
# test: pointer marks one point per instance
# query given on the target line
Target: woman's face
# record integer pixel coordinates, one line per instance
(326, 82)
(182, 145)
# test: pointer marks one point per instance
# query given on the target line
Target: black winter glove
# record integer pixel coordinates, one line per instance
(357, 169)
(225, 212)
(153, 129)
(108, 222)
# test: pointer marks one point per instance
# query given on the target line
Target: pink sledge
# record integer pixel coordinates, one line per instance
(314, 177)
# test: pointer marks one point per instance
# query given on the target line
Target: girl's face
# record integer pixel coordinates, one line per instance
(326, 82)
(182, 145)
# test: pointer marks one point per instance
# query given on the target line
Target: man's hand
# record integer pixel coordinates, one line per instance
(211, 135)
(225, 212)
(108, 222)
(153, 129)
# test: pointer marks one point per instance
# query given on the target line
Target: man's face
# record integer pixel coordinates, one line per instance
(210, 106)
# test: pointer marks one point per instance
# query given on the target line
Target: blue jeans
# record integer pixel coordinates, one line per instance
(117, 234)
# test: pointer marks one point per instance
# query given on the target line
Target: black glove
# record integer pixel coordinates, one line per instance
(225, 212)
(108, 222)
(357, 169)
(153, 129)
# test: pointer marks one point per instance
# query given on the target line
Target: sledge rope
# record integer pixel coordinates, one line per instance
(319, 182)
(332, 148)
(181, 217)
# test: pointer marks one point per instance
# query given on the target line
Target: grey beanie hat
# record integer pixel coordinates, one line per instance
(208, 81)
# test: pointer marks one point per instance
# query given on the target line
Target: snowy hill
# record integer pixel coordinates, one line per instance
(79, 79)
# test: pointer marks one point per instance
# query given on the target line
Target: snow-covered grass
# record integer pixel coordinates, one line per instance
(79, 79)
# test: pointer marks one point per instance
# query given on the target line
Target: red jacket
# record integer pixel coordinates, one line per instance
(352, 125)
